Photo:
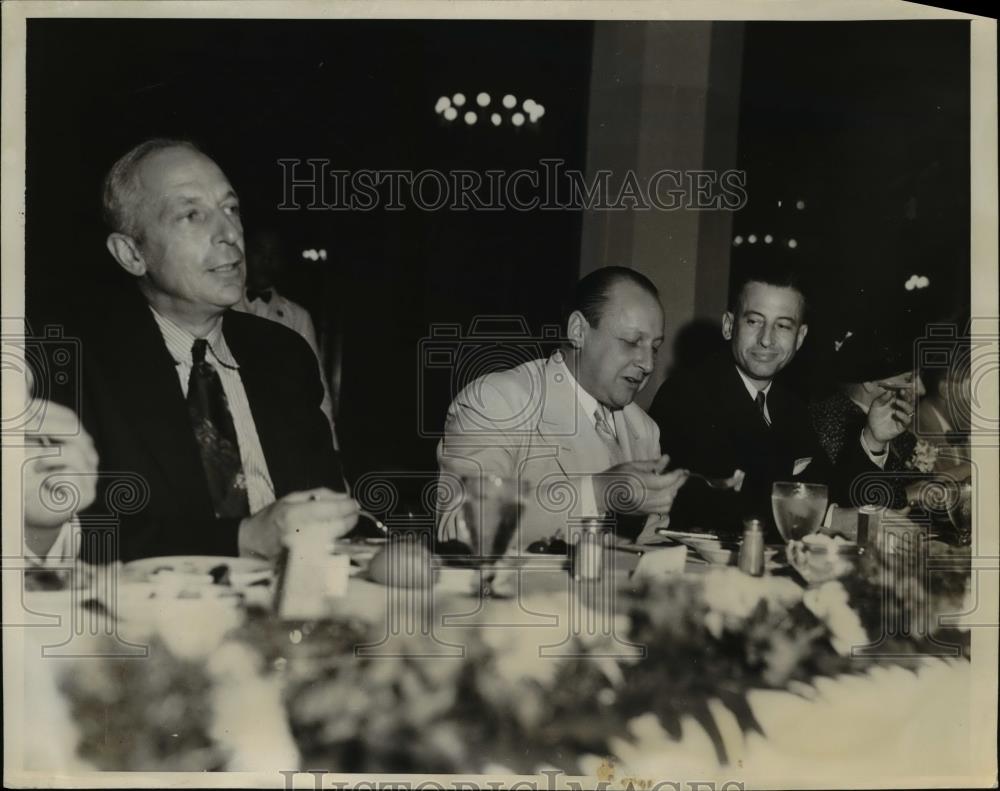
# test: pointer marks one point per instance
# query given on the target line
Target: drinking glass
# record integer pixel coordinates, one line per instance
(798, 508)
(491, 512)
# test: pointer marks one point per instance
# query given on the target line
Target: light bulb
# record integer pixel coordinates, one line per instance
(458, 99)
(496, 119)
(509, 101)
(470, 118)
(517, 119)
(483, 99)
(450, 113)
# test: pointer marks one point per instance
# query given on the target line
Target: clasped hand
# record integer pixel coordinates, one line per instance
(60, 477)
(264, 533)
(639, 487)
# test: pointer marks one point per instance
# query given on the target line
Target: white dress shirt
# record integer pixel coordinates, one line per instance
(260, 490)
(752, 389)
(589, 406)
(63, 549)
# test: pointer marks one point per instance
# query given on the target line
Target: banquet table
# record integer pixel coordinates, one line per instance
(876, 727)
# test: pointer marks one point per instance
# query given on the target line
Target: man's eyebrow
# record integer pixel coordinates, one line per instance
(175, 202)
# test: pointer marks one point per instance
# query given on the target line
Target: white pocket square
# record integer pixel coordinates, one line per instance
(800, 465)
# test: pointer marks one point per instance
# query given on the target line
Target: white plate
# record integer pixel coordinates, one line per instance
(195, 565)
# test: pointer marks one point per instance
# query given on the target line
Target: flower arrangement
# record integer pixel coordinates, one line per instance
(710, 639)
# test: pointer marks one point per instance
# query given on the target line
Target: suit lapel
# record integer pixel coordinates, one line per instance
(257, 373)
(736, 398)
(139, 368)
(563, 423)
(627, 424)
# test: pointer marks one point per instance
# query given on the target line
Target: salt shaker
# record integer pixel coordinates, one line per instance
(751, 559)
(588, 555)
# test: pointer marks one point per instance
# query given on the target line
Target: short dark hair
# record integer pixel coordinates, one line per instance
(120, 184)
(770, 266)
(593, 291)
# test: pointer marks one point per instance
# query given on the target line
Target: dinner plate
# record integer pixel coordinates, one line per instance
(195, 566)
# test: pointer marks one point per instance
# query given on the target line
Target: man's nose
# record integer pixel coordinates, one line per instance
(645, 359)
(766, 336)
(227, 228)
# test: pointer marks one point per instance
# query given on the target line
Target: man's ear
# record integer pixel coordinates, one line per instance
(576, 329)
(126, 253)
(801, 336)
(727, 325)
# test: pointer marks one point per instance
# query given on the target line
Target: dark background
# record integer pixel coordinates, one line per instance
(867, 122)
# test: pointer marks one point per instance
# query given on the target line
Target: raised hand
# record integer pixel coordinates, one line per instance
(889, 416)
(266, 532)
(60, 476)
(639, 487)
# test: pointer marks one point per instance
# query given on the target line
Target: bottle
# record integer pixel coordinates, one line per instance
(751, 559)
(869, 526)
(588, 555)
(307, 574)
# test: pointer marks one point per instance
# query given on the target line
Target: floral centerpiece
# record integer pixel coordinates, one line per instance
(710, 639)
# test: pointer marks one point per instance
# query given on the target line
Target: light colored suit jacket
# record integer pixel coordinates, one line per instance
(527, 424)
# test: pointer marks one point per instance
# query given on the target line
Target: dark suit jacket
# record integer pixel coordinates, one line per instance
(134, 408)
(709, 424)
(838, 422)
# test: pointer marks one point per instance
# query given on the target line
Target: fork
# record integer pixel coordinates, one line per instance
(733, 483)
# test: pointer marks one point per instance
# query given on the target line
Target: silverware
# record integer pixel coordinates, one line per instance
(668, 533)
(378, 523)
(733, 483)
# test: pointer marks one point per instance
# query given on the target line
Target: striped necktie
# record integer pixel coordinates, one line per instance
(607, 435)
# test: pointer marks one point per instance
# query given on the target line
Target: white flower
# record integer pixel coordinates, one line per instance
(732, 595)
(829, 603)
(924, 456)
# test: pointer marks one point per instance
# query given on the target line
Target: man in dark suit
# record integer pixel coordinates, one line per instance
(212, 416)
(733, 413)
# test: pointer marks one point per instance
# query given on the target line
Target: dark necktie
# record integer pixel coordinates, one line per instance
(761, 401)
(264, 294)
(216, 436)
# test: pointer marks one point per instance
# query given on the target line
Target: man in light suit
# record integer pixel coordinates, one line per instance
(567, 426)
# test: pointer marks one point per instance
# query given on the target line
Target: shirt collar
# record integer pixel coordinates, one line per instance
(62, 549)
(751, 387)
(179, 342)
(589, 404)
